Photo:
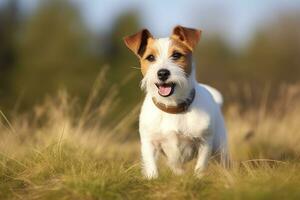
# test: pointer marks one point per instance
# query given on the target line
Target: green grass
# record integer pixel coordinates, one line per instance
(69, 172)
(56, 153)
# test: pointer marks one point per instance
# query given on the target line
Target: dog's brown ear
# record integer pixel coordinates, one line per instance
(189, 36)
(138, 42)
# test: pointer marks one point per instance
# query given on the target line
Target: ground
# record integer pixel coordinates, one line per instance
(56, 153)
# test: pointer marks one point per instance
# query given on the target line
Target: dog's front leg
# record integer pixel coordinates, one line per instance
(204, 153)
(149, 154)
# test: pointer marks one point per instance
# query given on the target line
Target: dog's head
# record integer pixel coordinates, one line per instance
(166, 63)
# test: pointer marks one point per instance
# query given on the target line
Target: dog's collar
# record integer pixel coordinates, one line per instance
(180, 108)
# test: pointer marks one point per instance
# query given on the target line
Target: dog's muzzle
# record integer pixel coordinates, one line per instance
(165, 89)
(163, 74)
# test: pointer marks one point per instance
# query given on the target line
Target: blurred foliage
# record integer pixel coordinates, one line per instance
(122, 63)
(9, 21)
(51, 47)
(55, 50)
(273, 55)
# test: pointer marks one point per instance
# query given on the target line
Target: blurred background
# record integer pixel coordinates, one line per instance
(247, 47)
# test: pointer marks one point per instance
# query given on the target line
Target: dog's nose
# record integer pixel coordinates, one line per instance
(163, 74)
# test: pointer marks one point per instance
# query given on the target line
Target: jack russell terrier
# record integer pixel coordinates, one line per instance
(180, 118)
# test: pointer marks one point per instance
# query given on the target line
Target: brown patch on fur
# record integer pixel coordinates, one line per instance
(185, 61)
(150, 50)
(189, 36)
(138, 42)
(183, 41)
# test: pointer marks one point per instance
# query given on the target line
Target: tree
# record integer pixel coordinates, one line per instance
(273, 55)
(9, 26)
(55, 52)
(123, 63)
(215, 62)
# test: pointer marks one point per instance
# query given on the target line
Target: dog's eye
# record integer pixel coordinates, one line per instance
(150, 58)
(176, 55)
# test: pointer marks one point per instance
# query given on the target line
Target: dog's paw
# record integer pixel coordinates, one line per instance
(199, 173)
(150, 174)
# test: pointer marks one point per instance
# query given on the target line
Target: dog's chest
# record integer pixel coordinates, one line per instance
(176, 135)
(177, 146)
(191, 124)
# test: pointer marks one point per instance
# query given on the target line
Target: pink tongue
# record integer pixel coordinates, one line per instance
(164, 90)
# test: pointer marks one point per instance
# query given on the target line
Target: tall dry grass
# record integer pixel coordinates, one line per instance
(59, 151)
(270, 130)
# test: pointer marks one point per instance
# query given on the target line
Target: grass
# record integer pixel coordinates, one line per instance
(56, 153)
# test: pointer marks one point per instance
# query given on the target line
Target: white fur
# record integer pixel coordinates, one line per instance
(199, 131)
(215, 93)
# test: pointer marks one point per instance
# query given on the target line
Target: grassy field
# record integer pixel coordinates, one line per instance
(56, 153)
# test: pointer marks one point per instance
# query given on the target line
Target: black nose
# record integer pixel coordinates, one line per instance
(163, 74)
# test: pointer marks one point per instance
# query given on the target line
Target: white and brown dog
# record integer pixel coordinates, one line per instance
(179, 118)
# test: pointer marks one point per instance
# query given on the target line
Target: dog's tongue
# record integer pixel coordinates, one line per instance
(164, 90)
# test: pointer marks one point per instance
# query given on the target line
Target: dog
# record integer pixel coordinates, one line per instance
(179, 118)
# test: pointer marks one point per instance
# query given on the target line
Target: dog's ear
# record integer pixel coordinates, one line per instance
(138, 42)
(189, 36)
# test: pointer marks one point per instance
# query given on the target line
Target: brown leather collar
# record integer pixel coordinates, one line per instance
(180, 108)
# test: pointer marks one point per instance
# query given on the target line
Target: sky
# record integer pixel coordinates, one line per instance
(235, 20)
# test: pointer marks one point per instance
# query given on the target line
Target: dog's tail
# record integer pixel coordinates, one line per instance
(215, 94)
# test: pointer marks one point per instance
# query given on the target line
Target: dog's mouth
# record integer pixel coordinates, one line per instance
(165, 89)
